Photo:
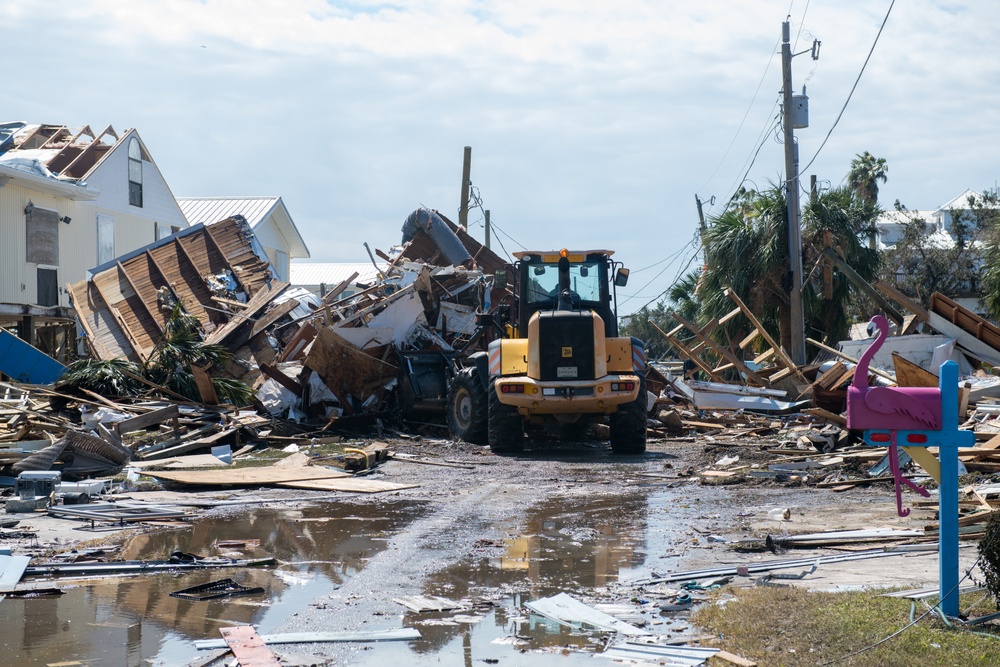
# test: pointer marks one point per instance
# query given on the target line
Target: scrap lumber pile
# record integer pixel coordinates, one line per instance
(303, 356)
(355, 355)
(93, 436)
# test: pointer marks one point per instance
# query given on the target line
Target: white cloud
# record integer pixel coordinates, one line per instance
(592, 123)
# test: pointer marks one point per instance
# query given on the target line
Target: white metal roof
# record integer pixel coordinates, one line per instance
(329, 273)
(209, 210)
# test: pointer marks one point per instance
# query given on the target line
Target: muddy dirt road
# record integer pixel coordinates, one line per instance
(569, 519)
(491, 531)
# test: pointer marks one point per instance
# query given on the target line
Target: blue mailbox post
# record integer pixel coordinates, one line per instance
(948, 439)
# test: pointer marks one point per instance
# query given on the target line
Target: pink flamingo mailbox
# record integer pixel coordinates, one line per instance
(916, 417)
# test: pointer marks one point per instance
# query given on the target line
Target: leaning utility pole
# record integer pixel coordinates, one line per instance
(798, 351)
(463, 208)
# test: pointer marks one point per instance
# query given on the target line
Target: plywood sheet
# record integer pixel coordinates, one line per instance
(352, 485)
(182, 462)
(249, 649)
(247, 476)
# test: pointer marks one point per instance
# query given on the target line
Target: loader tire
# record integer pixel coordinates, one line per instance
(467, 408)
(628, 425)
(506, 428)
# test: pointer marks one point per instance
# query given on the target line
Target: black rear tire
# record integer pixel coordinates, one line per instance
(467, 409)
(628, 425)
(506, 428)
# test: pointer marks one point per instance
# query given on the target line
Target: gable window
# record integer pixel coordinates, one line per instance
(134, 173)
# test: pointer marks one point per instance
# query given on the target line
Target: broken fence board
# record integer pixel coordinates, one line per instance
(248, 647)
(735, 659)
(348, 484)
(404, 634)
(246, 476)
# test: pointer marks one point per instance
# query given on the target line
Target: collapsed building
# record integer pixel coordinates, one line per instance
(303, 356)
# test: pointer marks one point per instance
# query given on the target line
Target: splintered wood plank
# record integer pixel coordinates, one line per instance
(909, 374)
(348, 484)
(248, 647)
(247, 476)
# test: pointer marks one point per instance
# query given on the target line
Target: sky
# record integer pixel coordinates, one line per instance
(592, 124)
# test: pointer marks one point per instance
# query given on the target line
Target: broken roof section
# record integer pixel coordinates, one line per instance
(126, 303)
(55, 151)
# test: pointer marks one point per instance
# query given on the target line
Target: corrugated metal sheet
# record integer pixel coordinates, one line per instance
(24, 363)
(209, 210)
(312, 274)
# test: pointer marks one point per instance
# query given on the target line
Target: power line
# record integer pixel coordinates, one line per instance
(853, 88)
(743, 120)
(694, 256)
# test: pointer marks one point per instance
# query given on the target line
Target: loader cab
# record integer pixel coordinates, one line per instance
(567, 280)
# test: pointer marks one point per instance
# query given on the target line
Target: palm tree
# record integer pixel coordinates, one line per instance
(746, 249)
(867, 171)
(836, 219)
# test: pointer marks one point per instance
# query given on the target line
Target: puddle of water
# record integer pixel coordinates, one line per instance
(133, 622)
(566, 545)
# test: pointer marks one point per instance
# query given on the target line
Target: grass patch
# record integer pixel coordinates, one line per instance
(791, 627)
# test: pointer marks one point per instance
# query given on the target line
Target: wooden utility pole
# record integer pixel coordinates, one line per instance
(798, 334)
(487, 239)
(463, 208)
(702, 229)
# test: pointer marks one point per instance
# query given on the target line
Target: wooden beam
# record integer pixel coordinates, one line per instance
(281, 378)
(863, 285)
(142, 421)
(273, 315)
(256, 302)
(721, 351)
(893, 293)
(205, 387)
(688, 353)
(95, 345)
(163, 274)
(336, 291)
(751, 337)
(783, 358)
(850, 359)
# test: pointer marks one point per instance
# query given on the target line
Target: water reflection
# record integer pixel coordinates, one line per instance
(134, 621)
(566, 545)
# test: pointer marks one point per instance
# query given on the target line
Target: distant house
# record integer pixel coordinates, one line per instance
(321, 277)
(891, 225)
(268, 218)
(70, 199)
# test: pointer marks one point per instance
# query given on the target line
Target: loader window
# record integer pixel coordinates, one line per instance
(584, 282)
